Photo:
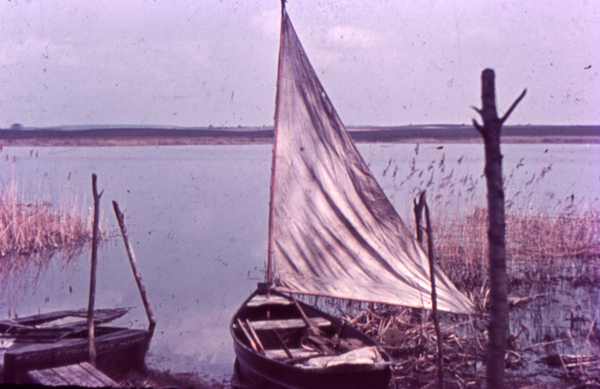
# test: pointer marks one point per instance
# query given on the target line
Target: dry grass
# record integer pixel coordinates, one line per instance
(538, 248)
(31, 234)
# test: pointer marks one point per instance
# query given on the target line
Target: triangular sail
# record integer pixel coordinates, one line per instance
(332, 230)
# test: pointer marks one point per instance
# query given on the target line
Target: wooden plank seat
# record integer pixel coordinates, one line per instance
(81, 374)
(296, 353)
(261, 299)
(264, 325)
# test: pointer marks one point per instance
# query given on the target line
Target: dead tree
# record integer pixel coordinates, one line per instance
(498, 322)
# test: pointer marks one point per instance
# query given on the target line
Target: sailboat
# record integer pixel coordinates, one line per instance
(333, 233)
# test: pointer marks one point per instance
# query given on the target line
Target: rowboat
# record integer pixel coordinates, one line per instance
(332, 233)
(60, 338)
(276, 349)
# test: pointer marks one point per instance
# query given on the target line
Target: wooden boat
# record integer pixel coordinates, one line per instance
(333, 233)
(274, 351)
(61, 338)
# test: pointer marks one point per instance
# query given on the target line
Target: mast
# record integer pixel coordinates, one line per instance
(273, 160)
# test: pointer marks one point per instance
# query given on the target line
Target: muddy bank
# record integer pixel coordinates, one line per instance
(156, 136)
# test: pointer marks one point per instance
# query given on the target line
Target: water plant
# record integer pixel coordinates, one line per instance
(32, 233)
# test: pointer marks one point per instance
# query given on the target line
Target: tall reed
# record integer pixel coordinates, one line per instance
(32, 233)
(546, 237)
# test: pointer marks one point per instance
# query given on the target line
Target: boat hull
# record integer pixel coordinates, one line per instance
(117, 349)
(253, 369)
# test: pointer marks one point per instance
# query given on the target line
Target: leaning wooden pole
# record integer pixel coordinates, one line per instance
(436, 322)
(418, 209)
(498, 321)
(90, 319)
(134, 266)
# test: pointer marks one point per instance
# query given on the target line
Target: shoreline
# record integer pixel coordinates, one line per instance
(155, 136)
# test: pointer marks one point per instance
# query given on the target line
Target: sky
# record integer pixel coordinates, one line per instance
(214, 62)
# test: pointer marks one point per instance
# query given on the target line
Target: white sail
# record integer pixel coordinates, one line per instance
(332, 230)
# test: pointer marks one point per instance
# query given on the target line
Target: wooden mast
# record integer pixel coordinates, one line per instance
(274, 158)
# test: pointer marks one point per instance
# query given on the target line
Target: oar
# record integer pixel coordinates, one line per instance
(314, 333)
(311, 326)
(255, 336)
(252, 343)
(285, 347)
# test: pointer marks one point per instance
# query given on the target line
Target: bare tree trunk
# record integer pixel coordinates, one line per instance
(498, 322)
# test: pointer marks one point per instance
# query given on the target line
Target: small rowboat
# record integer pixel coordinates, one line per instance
(276, 347)
(60, 338)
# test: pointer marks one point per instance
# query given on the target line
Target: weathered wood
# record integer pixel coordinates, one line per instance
(100, 315)
(46, 377)
(295, 352)
(312, 327)
(418, 209)
(117, 349)
(82, 374)
(92, 297)
(255, 336)
(134, 266)
(103, 378)
(247, 334)
(262, 299)
(282, 342)
(288, 324)
(74, 374)
(276, 366)
(47, 330)
(498, 321)
(436, 322)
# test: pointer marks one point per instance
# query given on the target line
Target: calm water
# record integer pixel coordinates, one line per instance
(197, 217)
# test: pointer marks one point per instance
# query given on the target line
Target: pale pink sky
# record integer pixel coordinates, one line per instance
(213, 62)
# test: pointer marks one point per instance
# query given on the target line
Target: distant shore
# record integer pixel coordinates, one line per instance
(155, 136)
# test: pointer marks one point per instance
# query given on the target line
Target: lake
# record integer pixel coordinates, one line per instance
(197, 217)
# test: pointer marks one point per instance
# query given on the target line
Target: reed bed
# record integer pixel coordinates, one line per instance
(538, 248)
(31, 234)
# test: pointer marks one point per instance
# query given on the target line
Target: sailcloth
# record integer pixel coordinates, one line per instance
(333, 232)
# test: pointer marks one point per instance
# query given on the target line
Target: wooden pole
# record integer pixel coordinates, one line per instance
(498, 321)
(91, 342)
(418, 215)
(436, 321)
(134, 266)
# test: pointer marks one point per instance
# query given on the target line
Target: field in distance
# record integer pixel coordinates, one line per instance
(17, 135)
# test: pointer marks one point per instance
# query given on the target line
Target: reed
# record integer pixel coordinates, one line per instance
(546, 238)
(538, 247)
(31, 234)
